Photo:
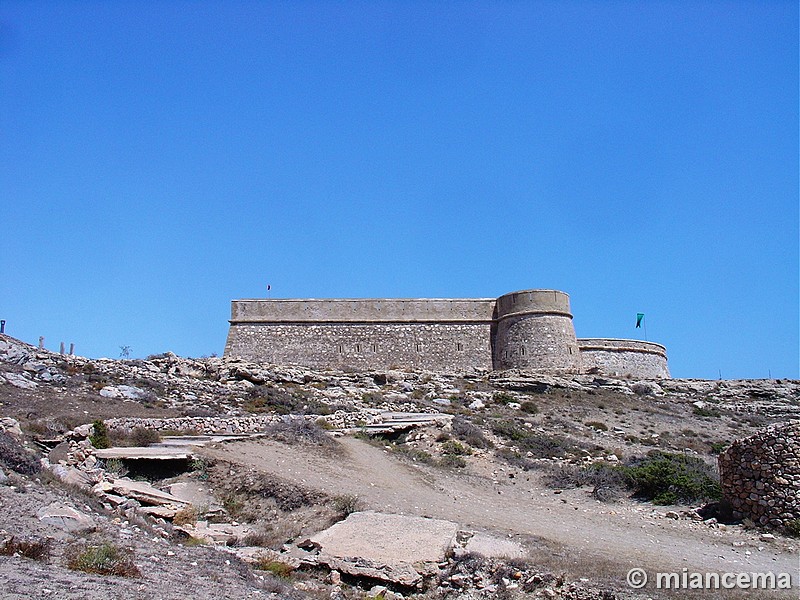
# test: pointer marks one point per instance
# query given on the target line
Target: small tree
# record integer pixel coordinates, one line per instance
(124, 351)
(100, 437)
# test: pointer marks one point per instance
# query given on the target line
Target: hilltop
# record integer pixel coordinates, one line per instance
(530, 473)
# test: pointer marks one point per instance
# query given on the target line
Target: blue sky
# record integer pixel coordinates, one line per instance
(160, 159)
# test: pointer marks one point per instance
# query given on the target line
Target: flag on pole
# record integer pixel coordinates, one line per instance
(639, 317)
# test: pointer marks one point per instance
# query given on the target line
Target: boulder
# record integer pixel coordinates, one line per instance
(66, 518)
(20, 381)
(126, 392)
(10, 425)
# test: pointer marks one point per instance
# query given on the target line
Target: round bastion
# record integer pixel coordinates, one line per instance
(760, 476)
(534, 331)
(624, 358)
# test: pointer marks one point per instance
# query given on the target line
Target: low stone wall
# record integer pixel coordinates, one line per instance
(236, 425)
(760, 476)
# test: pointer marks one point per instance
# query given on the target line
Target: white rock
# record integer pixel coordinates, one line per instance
(20, 381)
(65, 517)
(476, 404)
(128, 392)
(10, 425)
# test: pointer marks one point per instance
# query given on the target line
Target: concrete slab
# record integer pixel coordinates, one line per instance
(145, 493)
(388, 539)
(148, 452)
(493, 547)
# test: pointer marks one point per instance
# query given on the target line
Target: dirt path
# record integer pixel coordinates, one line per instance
(574, 531)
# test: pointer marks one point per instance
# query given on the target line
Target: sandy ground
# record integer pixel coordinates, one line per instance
(569, 529)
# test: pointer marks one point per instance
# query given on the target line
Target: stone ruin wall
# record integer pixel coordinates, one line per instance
(760, 476)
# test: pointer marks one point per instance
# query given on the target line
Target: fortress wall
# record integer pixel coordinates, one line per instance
(535, 331)
(621, 358)
(424, 345)
(529, 329)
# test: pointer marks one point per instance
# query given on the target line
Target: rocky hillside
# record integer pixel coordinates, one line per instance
(230, 518)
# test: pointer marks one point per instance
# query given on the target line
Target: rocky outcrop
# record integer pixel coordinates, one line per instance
(760, 476)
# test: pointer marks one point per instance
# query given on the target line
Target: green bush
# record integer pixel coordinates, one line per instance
(529, 407)
(451, 460)
(793, 528)
(99, 437)
(276, 567)
(454, 448)
(706, 412)
(540, 445)
(105, 559)
(667, 478)
(719, 447)
(503, 398)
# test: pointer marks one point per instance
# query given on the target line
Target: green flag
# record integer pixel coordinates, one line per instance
(639, 317)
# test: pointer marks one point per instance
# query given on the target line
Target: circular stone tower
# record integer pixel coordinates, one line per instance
(534, 331)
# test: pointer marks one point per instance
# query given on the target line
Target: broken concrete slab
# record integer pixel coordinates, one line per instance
(221, 533)
(145, 452)
(388, 538)
(256, 554)
(467, 542)
(400, 573)
(196, 494)
(145, 493)
(398, 549)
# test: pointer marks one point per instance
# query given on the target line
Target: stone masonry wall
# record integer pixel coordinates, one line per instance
(433, 346)
(528, 329)
(624, 358)
(760, 476)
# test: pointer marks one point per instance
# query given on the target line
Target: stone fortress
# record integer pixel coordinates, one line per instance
(530, 330)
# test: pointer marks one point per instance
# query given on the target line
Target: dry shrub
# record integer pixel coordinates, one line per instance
(276, 567)
(137, 437)
(300, 431)
(29, 547)
(185, 516)
(346, 505)
(105, 559)
(272, 535)
(465, 431)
